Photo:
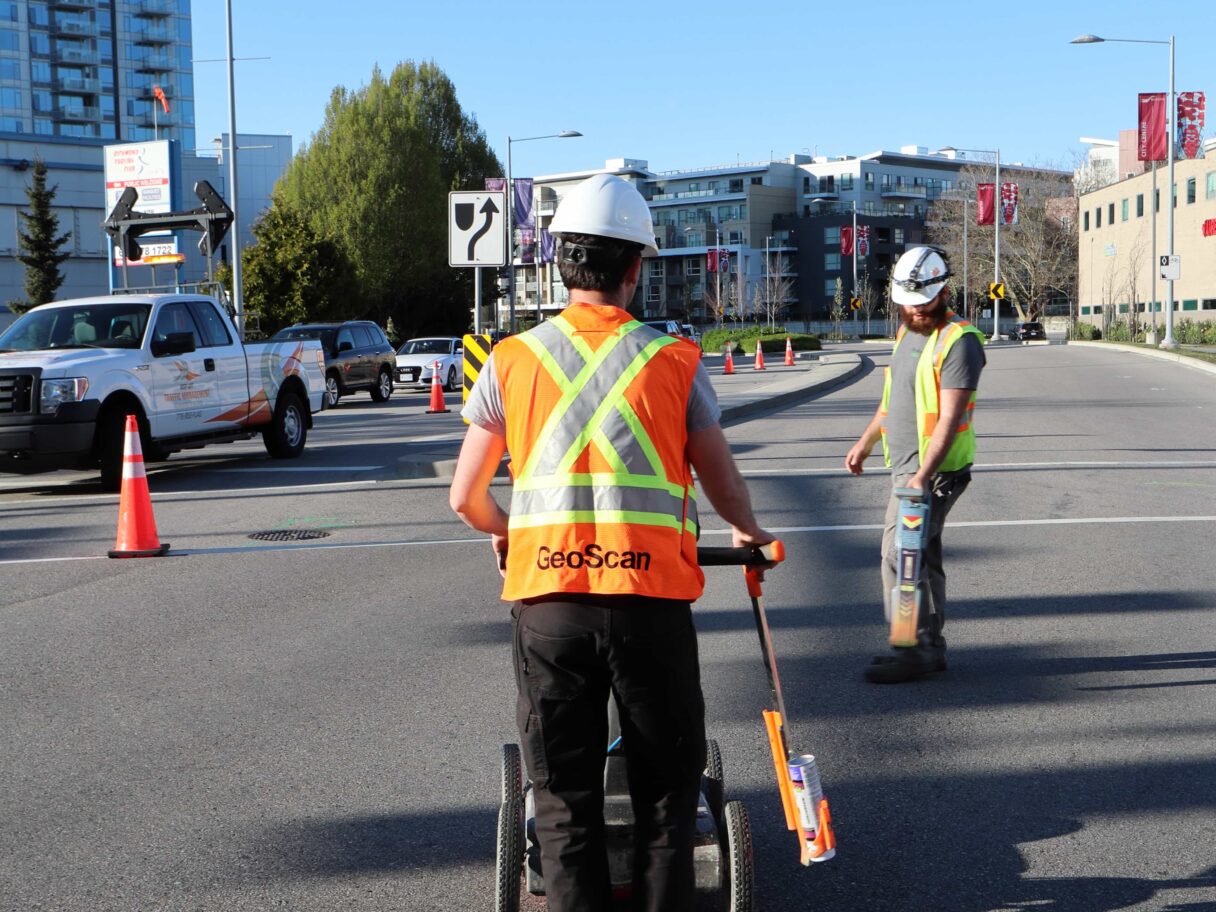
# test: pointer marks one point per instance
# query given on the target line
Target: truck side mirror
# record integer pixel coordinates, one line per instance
(178, 343)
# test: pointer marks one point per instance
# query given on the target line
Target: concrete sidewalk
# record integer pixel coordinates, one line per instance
(741, 394)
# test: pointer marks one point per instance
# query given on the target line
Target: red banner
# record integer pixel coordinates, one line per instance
(846, 241)
(1009, 204)
(711, 260)
(863, 240)
(985, 204)
(1150, 143)
(1190, 124)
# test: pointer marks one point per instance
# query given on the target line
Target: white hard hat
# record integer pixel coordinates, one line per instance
(606, 206)
(918, 276)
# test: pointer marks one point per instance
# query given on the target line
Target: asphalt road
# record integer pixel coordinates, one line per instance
(316, 726)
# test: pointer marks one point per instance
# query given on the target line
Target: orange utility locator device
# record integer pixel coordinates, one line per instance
(802, 798)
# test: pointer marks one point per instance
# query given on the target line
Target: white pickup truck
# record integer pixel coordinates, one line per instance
(71, 371)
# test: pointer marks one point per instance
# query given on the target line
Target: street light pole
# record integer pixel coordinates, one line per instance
(996, 237)
(233, 202)
(1171, 126)
(564, 134)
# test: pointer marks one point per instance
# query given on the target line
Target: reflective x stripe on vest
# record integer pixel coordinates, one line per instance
(928, 395)
(592, 408)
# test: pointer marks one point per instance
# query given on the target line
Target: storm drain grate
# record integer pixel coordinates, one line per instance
(281, 535)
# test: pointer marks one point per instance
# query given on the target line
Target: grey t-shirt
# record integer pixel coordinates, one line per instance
(960, 370)
(484, 407)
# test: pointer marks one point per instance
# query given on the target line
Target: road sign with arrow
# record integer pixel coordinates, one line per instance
(477, 233)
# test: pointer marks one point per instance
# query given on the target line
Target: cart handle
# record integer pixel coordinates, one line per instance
(751, 556)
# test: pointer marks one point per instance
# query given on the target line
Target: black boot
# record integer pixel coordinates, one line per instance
(906, 663)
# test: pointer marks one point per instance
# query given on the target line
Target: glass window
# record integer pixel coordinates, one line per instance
(10, 68)
(8, 12)
(899, 235)
(1098, 217)
(1124, 209)
(657, 268)
(10, 40)
(44, 126)
(806, 185)
(175, 318)
(10, 98)
(831, 262)
(653, 294)
(846, 182)
(1191, 304)
(1191, 184)
(1085, 220)
(1211, 185)
(869, 180)
(1110, 214)
(1156, 201)
(363, 338)
(214, 331)
(12, 125)
(1139, 205)
(829, 289)
(692, 266)
(757, 181)
(39, 15)
(831, 235)
(345, 337)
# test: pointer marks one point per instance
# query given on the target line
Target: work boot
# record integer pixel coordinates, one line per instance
(907, 663)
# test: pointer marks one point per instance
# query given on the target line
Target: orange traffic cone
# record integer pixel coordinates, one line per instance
(759, 356)
(730, 361)
(136, 526)
(437, 403)
(824, 848)
(789, 352)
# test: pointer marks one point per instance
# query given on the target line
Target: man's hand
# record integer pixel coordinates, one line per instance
(499, 544)
(857, 455)
(752, 539)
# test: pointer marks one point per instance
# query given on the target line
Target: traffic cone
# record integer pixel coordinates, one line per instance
(437, 403)
(136, 526)
(730, 361)
(824, 847)
(759, 356)
(789, 352)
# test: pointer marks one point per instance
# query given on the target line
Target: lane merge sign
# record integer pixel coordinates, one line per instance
(477, 228)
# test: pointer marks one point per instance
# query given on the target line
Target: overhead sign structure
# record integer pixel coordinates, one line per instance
(1171, 267)
(996, 291)
(477, 234)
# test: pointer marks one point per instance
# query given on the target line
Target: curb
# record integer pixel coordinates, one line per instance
(1194, 363)
(744, 409)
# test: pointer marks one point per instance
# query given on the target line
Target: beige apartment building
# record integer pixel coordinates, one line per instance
(1116, 268)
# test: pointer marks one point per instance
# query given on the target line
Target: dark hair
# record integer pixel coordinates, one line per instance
(589, 262)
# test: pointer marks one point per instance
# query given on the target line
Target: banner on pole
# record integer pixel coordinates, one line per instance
(846, 240)
(548, 246)
(711, 260)
(496, 184)
(985, 204)
(1151, 139)
(523, 203)
(723, 260)
(1190, 124)
(863, 240)
(1009, 204)
(527, 241)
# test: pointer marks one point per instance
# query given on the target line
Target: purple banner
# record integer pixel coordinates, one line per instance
(523, 203)
(548, 246)
(496, 184)
(527, 244)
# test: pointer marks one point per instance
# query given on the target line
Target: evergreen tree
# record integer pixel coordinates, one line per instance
(39, 243)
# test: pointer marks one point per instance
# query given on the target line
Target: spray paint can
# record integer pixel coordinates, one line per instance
(808, 792)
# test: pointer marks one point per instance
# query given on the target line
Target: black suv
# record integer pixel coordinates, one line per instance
(358, 356)
(1028, 331)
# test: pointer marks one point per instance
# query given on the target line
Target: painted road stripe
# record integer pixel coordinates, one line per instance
(989, 466)
(783, 530)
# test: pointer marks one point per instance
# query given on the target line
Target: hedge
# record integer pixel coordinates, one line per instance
(744, 340)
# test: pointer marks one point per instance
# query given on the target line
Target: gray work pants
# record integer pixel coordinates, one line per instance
(947, 487)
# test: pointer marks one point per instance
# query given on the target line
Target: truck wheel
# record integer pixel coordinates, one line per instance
(111, 428)
(384, 386)
(288, 429)
(333, 390)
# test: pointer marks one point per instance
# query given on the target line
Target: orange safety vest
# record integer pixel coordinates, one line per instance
(602, 499)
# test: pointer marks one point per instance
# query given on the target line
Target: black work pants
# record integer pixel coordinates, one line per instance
(569, 655)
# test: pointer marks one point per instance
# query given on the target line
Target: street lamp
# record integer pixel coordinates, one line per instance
(1170, 117)
(564, 134)
(996, 237)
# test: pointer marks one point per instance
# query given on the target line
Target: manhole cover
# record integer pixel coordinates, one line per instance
(279, 535)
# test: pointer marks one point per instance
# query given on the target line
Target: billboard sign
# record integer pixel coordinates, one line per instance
(146, 167)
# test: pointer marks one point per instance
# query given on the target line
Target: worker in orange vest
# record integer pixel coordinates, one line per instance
(604, 419)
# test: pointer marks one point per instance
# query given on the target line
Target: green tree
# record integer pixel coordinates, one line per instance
(292, 275)
(374, 180)
(40, 243)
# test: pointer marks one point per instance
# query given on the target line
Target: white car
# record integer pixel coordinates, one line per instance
(416, 362)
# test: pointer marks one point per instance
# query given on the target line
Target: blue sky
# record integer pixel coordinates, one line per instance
(696, 85)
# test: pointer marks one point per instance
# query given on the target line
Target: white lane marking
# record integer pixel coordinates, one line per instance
(170, 495)
(980, 467)
(297, 469)
(782, 530)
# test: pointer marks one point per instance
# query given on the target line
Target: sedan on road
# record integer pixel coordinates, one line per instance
(416, 362)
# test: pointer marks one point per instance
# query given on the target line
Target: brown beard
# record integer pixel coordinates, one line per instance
(924, 321)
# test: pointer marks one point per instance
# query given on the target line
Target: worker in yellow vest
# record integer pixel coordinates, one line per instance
(925, 423)
(604, 420)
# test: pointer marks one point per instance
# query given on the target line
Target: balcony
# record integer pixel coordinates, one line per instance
(153, 63)
(73, 4)
(696, 194)
(78, 55)
(821, 195)
(159, 35)
(78, 114)
(153, 9)
(903, 191)
(75, 28)
(78, 85)
(157, 118)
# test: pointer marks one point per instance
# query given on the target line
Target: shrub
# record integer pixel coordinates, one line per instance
(1083, 332)
(744, 340)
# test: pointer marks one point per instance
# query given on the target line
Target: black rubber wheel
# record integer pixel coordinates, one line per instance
(384, 386)
(333, 390)
(509, 857)
(450, 385)
(288, 429)
(741, 873)
(512, 775)
(111, 431)
(715, 781)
